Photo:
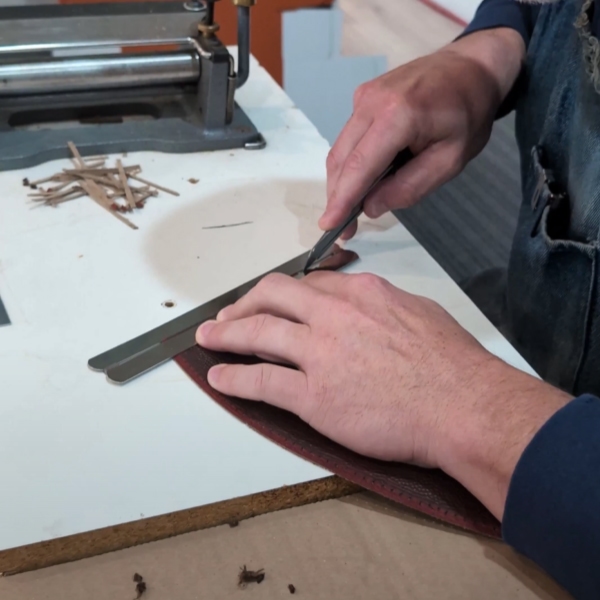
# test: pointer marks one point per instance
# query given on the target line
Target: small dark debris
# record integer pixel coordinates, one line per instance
(140, 588)
(230, 225)
(33, 186)
(245, 577)
(26, 182)
(292, 588)
(193, 181)
(233, 523)
(120, 207)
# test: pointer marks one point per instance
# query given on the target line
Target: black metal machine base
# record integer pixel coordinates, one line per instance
(36, 129)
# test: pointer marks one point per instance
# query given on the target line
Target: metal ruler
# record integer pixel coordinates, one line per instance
(147, 351)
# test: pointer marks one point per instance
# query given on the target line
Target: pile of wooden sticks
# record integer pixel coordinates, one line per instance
(108, 187)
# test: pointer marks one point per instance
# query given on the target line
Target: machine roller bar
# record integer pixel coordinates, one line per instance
(100, 72)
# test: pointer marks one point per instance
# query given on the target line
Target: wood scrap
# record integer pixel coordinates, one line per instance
(100, 171)
(98, 195)
(109, 187)
(140, 586)
(76, 156)
(158, 187)
(125, 185)
(245, 576)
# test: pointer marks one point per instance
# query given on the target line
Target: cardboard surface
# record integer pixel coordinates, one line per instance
(357, 547)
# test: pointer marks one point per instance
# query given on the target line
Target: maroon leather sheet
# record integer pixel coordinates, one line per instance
(428, 491)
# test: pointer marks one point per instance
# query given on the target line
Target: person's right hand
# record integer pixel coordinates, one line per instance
(441, 106)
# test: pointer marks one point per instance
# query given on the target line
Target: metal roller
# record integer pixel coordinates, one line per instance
(101, 72)
(122, 76)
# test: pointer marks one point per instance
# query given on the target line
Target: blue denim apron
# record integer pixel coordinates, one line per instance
(553, 288)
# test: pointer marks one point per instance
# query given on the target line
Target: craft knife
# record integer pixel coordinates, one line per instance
(330, 237)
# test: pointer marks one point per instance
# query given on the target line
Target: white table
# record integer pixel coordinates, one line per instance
(79, 453)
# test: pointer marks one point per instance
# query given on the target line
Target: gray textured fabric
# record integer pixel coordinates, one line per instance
(467, 225)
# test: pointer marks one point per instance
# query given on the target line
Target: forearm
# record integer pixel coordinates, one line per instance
(485, 442)
(500, 51)
(501, 16)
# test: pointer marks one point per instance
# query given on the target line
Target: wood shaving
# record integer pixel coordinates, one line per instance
(141, 586)
(109, 187)
(229, 225)
(245, 576)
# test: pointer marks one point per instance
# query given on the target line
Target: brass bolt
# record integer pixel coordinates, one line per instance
(247, 3)
(208, 30)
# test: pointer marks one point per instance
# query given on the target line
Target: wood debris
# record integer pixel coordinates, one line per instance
(292, 588)
(109, 187)
(229, 225)
(140, 586)
(140, 589)
(245, 577)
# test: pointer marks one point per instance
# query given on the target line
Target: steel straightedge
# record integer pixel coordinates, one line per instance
(149, 350)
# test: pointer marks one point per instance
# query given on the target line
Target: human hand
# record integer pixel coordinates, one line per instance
(441, 106)
(385, 373)
(366, 354)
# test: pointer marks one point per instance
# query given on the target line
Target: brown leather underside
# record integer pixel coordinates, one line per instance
(428, 491)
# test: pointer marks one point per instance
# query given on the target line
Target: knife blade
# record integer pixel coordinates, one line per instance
(330, 237)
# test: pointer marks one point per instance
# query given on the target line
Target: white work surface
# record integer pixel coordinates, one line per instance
(80, 453)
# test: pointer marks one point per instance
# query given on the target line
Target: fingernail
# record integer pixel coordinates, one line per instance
(213, 374)
(205, 329)
(222, 314)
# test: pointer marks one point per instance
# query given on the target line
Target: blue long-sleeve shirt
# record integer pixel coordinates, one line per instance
(515, 15)
(552, 512)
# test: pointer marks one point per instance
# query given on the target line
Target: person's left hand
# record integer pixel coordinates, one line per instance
(377, 368)
(385, 373)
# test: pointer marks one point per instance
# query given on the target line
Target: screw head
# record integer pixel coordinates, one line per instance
(193, 6)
